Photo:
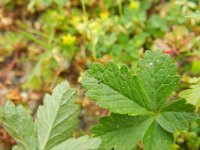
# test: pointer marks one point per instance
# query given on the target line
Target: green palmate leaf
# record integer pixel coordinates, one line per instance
(143, 96)
(19, 124)
(121, 131)
(58, 117)
(82, 143)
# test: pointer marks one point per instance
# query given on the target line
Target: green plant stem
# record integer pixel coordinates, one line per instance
(86, 22)
(120, 8)
(84, 11)
(94, 50)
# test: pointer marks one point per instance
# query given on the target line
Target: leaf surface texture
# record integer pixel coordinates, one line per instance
(18, 122)
(81, 143)
(57, 118)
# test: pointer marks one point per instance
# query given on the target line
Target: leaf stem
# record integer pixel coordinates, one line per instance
(84, 11)
(120, 8)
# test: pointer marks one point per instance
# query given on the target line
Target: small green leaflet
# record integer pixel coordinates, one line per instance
(19, 125)
(192, 95)
(57, 118)
(156, 138)
(54, 123)
(112, 89)
(82, 143)
(158, 77)
(117, 129)
(138, 103)
(176, 116)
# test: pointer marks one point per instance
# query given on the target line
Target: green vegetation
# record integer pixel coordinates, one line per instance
(44, 42)
(143, 98)
(137, 104)
(54, 123)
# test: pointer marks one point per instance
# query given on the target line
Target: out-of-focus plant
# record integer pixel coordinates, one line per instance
(192, 95)
(195, 15)
(13, 40)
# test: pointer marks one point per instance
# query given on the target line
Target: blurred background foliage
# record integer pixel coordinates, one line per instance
(45, 41)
